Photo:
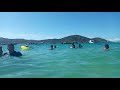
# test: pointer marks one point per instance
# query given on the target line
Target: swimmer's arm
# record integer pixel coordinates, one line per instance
(5, 54)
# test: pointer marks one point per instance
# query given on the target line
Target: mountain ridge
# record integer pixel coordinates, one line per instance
(66, 39)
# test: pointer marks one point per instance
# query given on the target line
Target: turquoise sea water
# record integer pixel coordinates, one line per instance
(91, 61)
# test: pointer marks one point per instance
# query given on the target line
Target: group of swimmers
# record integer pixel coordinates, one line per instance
(12, 52)
(73, 45)
(52, 47)
(106, 47)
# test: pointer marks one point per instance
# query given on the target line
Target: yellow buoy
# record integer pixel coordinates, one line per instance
(24, 47)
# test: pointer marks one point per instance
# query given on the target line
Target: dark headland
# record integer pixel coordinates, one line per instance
(65, 40)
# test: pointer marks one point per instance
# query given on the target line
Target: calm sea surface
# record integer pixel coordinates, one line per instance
(90, 61)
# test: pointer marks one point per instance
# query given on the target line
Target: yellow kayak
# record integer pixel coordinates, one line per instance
(24, 47)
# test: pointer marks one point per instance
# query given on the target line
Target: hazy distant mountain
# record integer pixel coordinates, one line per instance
(97, 39)
(75, 38)
(16, 41)
(115, 40)
(68, 39)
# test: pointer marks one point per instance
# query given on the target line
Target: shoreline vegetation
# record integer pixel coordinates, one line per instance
(65, 40)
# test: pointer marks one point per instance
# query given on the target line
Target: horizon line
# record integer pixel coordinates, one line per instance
(56, 38)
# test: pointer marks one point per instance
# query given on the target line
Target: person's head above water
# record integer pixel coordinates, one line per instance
(10, 48)
(80, 46)
(51, 46)
(106, 47)
(1, 52)
(54, 46)
(12, 52)
(27, 46)
(73, 45)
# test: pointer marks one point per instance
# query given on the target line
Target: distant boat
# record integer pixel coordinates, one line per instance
(91, 41)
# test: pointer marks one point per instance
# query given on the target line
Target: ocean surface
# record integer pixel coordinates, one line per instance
(90, 61)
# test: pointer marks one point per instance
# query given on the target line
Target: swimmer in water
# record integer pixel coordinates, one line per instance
(27, 46)
(51, 47)
(12, 52)
(80, 46)
(106, 47)
(73, 45)
(1, 52)
(54, 46)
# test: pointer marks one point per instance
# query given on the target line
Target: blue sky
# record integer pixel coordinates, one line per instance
(44, 25)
